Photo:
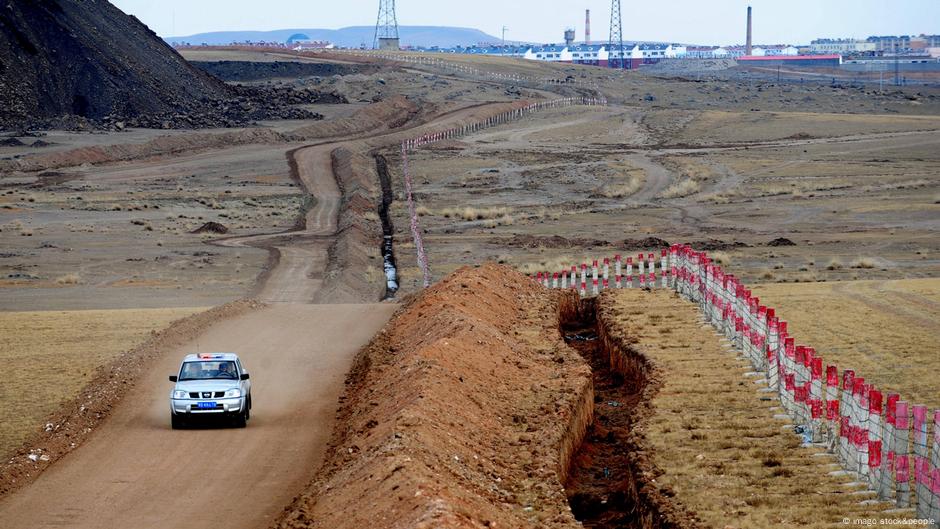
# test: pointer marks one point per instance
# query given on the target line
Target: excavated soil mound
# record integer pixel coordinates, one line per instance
(355, 270)
(522, 240)
(781, 241)
(211, 227)
(463, 412)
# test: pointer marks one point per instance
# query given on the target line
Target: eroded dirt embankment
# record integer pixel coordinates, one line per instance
(469, 409)
(463, 412)
(355, 268)
(377, 116)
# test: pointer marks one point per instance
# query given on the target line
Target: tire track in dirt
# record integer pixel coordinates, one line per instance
(303, 254)
(135, 471)
(858, 293)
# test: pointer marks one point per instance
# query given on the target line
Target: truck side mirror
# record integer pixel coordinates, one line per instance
(173, 378)
(244, 376)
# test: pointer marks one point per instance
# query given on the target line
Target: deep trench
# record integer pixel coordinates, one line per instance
(605, 483)
(388, 229)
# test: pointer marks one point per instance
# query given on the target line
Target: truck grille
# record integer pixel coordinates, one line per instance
(206, 395)
(195, 407)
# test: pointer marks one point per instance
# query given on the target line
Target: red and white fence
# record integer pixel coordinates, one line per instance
(463, 130)
(878, 437)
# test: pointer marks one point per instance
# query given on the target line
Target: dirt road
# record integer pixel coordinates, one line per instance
(137, 472)
(303, 255)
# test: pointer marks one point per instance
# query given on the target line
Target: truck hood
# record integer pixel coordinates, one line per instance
(207, 385)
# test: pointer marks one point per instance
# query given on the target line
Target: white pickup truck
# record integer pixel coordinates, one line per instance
(210, 385)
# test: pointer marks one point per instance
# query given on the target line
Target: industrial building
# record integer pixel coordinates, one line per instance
(842, 46)
(634, 54)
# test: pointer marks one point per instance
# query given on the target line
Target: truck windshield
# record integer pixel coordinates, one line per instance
(208, 370)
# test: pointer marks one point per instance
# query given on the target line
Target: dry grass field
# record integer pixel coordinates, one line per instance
(886, 330)
(855, 203)
(714, 437)
(48, 356)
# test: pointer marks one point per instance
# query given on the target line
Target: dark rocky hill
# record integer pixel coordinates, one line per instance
(76, 63)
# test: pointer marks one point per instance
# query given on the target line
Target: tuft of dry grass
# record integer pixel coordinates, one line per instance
(622, 189)
(550, 265)
(721, 258)
(834, 264)
(423, 211)
(682, 188)
(723, 197)
(864, 262)
(68, 279)
(505, 220)
(470, 213)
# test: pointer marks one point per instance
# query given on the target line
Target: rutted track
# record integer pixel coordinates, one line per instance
(137, 472)
(304, 254)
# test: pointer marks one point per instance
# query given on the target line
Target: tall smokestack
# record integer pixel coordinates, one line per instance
(587, 26)
(747, 47)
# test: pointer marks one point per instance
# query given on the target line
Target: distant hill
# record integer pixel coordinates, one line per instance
(351, 37)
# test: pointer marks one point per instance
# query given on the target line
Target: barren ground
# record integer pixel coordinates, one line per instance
(847, 175)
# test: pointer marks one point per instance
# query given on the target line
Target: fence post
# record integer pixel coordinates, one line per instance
(629, 272)
(861, 429)
(902, 465)
(875, 438)
(832, 407)
(673, 266)
(617, 270)
(845, 417)
(921, 461)
(816, 398)
(934, 513)
(773, 343)
(886, 484)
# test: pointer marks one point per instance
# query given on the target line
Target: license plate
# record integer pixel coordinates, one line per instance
(210, 405)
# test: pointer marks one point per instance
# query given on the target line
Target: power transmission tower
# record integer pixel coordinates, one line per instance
(615, 44)
(386, 27)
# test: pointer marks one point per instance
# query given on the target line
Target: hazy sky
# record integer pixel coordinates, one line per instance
(691, 21)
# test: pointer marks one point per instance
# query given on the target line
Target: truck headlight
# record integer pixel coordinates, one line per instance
(233, 393)
(180, 394)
